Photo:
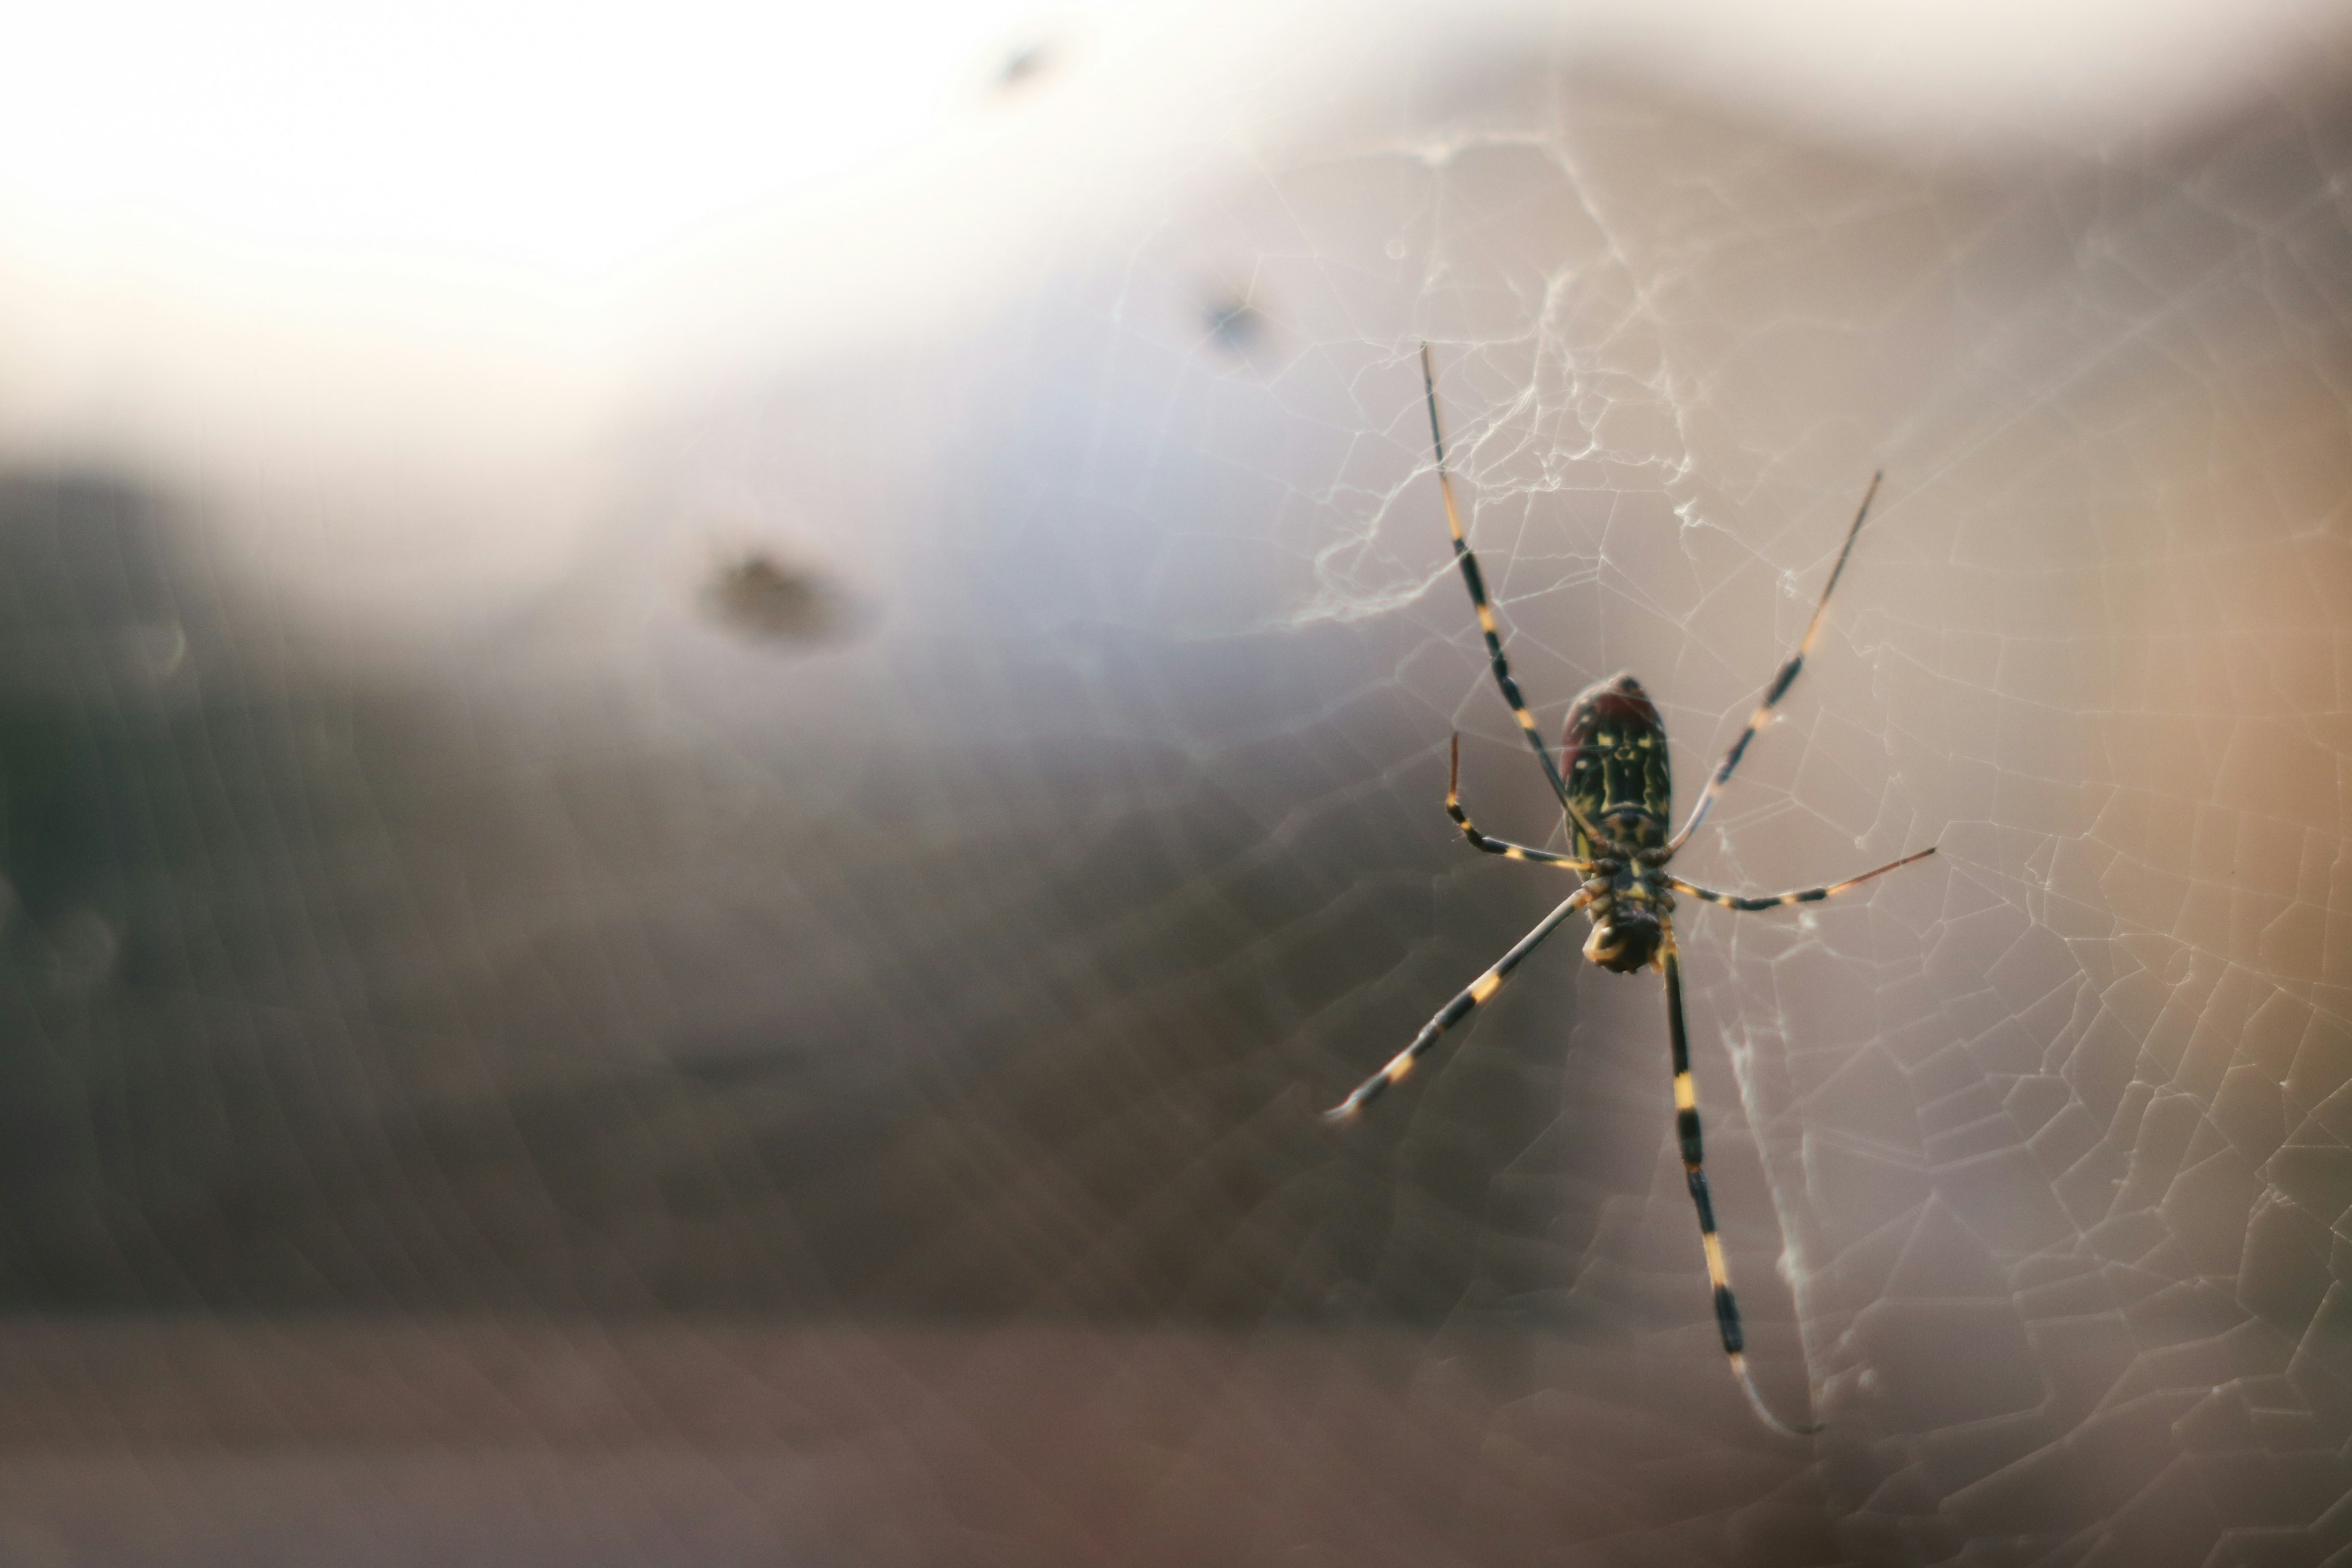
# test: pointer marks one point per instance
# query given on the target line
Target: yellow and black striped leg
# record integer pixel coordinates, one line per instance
(1476, 583)
(1454, 1012)
(1687, 1132)
(1780, 683)
(1800, 896)
(1503, 847)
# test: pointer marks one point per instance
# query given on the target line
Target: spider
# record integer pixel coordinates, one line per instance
(1618, 798)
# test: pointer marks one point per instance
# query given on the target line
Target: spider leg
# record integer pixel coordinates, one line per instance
(1687, 1132)
(1799, 896)
(1476, 581)
(1454, 1012)
(1780, 683)
(1478, 840)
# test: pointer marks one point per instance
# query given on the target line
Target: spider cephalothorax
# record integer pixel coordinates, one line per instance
(1625, 937)
(1616, 793)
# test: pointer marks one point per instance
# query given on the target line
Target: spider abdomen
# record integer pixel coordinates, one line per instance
(1614, 759)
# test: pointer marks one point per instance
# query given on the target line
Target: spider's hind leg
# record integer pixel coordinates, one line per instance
(1475, 581)
(1785, 679)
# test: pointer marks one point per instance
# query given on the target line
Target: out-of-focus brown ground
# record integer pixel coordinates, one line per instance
(344, 1441)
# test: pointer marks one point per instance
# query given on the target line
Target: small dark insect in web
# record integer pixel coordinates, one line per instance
(1024, 65)
(1617, 794)
(1234, 324)
(769, 601)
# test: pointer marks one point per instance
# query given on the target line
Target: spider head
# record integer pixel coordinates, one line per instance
(1624, 939)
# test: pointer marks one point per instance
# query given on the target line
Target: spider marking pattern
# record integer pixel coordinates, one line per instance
(1617, 795)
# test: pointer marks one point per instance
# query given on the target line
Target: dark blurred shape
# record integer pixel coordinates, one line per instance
(1024, 66)
(1235, 325)
(92, 635)
(766, 600)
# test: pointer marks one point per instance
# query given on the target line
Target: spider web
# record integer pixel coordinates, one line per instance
(654, 1078)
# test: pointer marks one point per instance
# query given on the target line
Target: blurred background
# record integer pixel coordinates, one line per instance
(715, 724)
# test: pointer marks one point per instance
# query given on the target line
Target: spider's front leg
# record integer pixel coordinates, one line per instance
(1479, 992)
(1686, 1134)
